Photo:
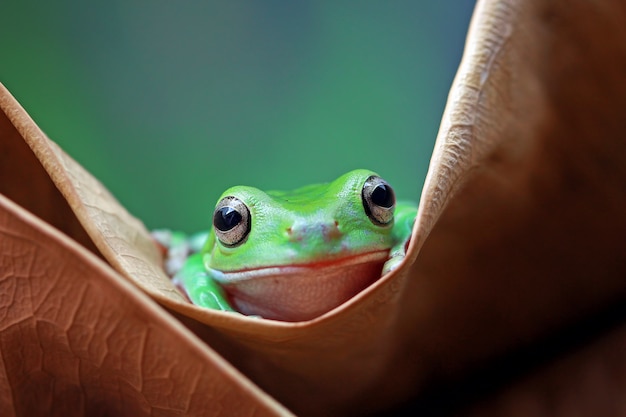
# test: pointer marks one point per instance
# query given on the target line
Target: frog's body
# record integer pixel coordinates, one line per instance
(295, 255)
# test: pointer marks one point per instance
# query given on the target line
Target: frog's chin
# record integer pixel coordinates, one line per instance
(303, 291)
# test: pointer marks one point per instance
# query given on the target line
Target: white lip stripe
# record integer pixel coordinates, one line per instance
(239, 276)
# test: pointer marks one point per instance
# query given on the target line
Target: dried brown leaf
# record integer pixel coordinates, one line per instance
(76, 339)
(519, 233)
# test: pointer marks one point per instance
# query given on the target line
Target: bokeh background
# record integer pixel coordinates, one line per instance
(168, 103)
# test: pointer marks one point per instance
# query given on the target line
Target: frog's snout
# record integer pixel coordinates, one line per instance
(327, 232)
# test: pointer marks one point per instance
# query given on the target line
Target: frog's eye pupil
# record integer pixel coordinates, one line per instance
(379, 200)
(383, 196)
(226, 218)
(231, 221)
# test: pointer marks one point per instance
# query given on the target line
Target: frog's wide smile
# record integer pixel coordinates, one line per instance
(232, 277)
(301, 291)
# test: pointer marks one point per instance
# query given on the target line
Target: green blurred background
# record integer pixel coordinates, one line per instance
(168, 103)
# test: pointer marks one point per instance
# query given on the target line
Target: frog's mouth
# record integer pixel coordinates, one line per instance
(300, 292)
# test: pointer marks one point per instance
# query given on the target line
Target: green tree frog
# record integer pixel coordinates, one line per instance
(294, 255)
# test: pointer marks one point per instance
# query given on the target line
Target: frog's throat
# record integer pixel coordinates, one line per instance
(301, 292)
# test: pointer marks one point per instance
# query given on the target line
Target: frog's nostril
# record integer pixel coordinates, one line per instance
(296, 234)
(324, 231)
(331, 232)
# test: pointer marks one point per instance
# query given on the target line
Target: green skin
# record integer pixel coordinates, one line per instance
(315, 224)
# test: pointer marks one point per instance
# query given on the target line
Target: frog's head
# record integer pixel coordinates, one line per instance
(294, 255)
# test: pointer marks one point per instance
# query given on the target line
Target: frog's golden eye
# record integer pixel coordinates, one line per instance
(231, 221)
(379, 200)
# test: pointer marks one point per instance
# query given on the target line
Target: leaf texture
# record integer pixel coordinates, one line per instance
(519, 234)
(75, 339)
